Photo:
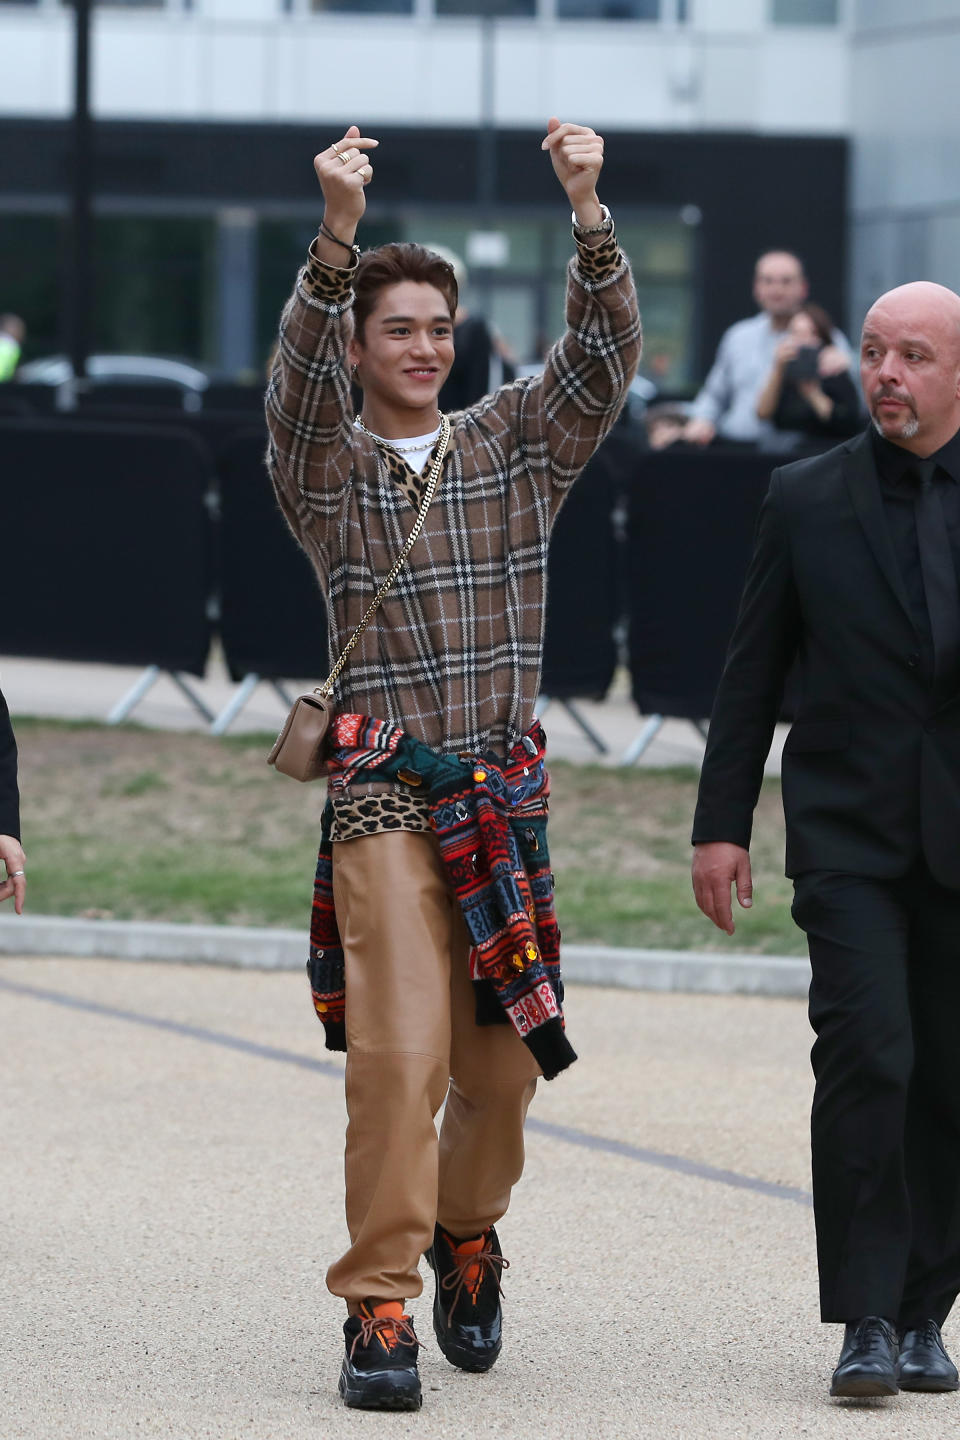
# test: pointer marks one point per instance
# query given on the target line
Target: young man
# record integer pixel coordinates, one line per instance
(433, 908)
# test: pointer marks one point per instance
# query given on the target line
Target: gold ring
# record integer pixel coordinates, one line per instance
(344, 157)
(333, 147)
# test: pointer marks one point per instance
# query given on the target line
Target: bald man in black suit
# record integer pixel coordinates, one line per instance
(856, 578)
(11, 851)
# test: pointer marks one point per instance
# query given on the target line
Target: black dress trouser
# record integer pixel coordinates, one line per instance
(885, 1006)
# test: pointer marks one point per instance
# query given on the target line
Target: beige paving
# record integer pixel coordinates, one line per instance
(170, 1204)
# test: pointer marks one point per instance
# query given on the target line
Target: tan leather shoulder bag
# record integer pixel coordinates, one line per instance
(300, 748)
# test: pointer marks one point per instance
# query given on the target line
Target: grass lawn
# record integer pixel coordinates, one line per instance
(131, 823)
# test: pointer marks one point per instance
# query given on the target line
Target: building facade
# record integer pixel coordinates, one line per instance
(727, 125)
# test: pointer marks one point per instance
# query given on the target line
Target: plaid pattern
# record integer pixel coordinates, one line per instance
(453, 656)
(491, 822)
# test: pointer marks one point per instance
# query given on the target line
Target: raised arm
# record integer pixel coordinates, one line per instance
(567, 412)
(308, 403)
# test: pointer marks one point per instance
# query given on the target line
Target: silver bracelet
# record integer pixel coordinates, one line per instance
(606, 224)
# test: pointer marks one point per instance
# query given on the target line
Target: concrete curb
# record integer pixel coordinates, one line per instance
(716, 973)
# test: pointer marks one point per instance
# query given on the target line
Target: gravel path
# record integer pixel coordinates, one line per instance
(170, 1144)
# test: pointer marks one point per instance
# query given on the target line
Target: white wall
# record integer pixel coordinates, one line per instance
(242, 59)
(905, 124)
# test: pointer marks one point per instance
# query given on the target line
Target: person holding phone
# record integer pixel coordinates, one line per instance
(809, 388)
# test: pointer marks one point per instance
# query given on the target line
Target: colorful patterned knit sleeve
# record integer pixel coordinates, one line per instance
(566, 413)
(309, 411)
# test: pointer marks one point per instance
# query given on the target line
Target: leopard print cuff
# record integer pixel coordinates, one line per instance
(329, 284)
(598, 262)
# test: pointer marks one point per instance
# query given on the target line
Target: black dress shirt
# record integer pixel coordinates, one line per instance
(898, 490)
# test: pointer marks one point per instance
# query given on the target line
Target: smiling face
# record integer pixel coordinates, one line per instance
(910, 366)
(406, 350)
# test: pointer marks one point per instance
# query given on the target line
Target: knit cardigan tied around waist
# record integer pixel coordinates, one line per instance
(490, 820)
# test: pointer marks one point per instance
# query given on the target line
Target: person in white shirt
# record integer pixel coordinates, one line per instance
(726, 407)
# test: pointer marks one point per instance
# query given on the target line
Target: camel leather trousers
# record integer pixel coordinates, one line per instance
(413, 1043)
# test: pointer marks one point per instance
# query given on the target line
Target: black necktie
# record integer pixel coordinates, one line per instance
(939, 575)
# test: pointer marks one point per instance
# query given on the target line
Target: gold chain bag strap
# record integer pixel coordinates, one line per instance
(299, 748)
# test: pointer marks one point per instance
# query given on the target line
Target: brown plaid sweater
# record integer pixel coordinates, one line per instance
(453, 655)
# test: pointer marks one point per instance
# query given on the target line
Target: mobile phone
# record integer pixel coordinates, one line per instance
(803, 366)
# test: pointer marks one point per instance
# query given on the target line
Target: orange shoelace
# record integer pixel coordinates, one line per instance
(473, 1260)
(387, 1322)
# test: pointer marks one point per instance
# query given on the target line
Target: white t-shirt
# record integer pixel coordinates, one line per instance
(414, 448)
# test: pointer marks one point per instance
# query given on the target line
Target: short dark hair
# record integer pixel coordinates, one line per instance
(391, 265)
(821, 320)
(781, 250)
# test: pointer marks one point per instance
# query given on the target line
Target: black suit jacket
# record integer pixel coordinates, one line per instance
(871, 767)
(9, 794)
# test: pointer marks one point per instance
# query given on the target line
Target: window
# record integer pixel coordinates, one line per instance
(608, 9)
(489, 9)
(804, 12)
(364, 7)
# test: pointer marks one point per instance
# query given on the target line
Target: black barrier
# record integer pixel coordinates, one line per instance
(584, 580)
(272, 617)
(35, 398)
(248, 399)
(105, 546)
(103, 395)
(690, 529)
(215, 428)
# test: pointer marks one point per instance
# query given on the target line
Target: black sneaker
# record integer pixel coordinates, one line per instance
(379, 1370)
(466, 1306)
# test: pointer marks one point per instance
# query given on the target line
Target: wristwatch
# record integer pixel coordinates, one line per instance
(606, 224)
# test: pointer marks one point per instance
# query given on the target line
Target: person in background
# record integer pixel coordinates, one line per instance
(11, 851)
(13, 332)
(481, 358)
(726, 407)
(805, 391)
(665, 424)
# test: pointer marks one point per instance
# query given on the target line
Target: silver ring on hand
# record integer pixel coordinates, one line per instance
(12, 874)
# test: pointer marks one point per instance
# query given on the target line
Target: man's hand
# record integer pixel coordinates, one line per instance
(343, 171)
(577, 155)
(698, 432)
(717, 866)
(11, 853)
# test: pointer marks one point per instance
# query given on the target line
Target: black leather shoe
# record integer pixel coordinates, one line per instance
(466, 1306)
(924, 1364)
(379, 1370)
(868, 1360)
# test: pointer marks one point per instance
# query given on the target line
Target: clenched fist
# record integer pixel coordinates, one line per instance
(577, 155)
